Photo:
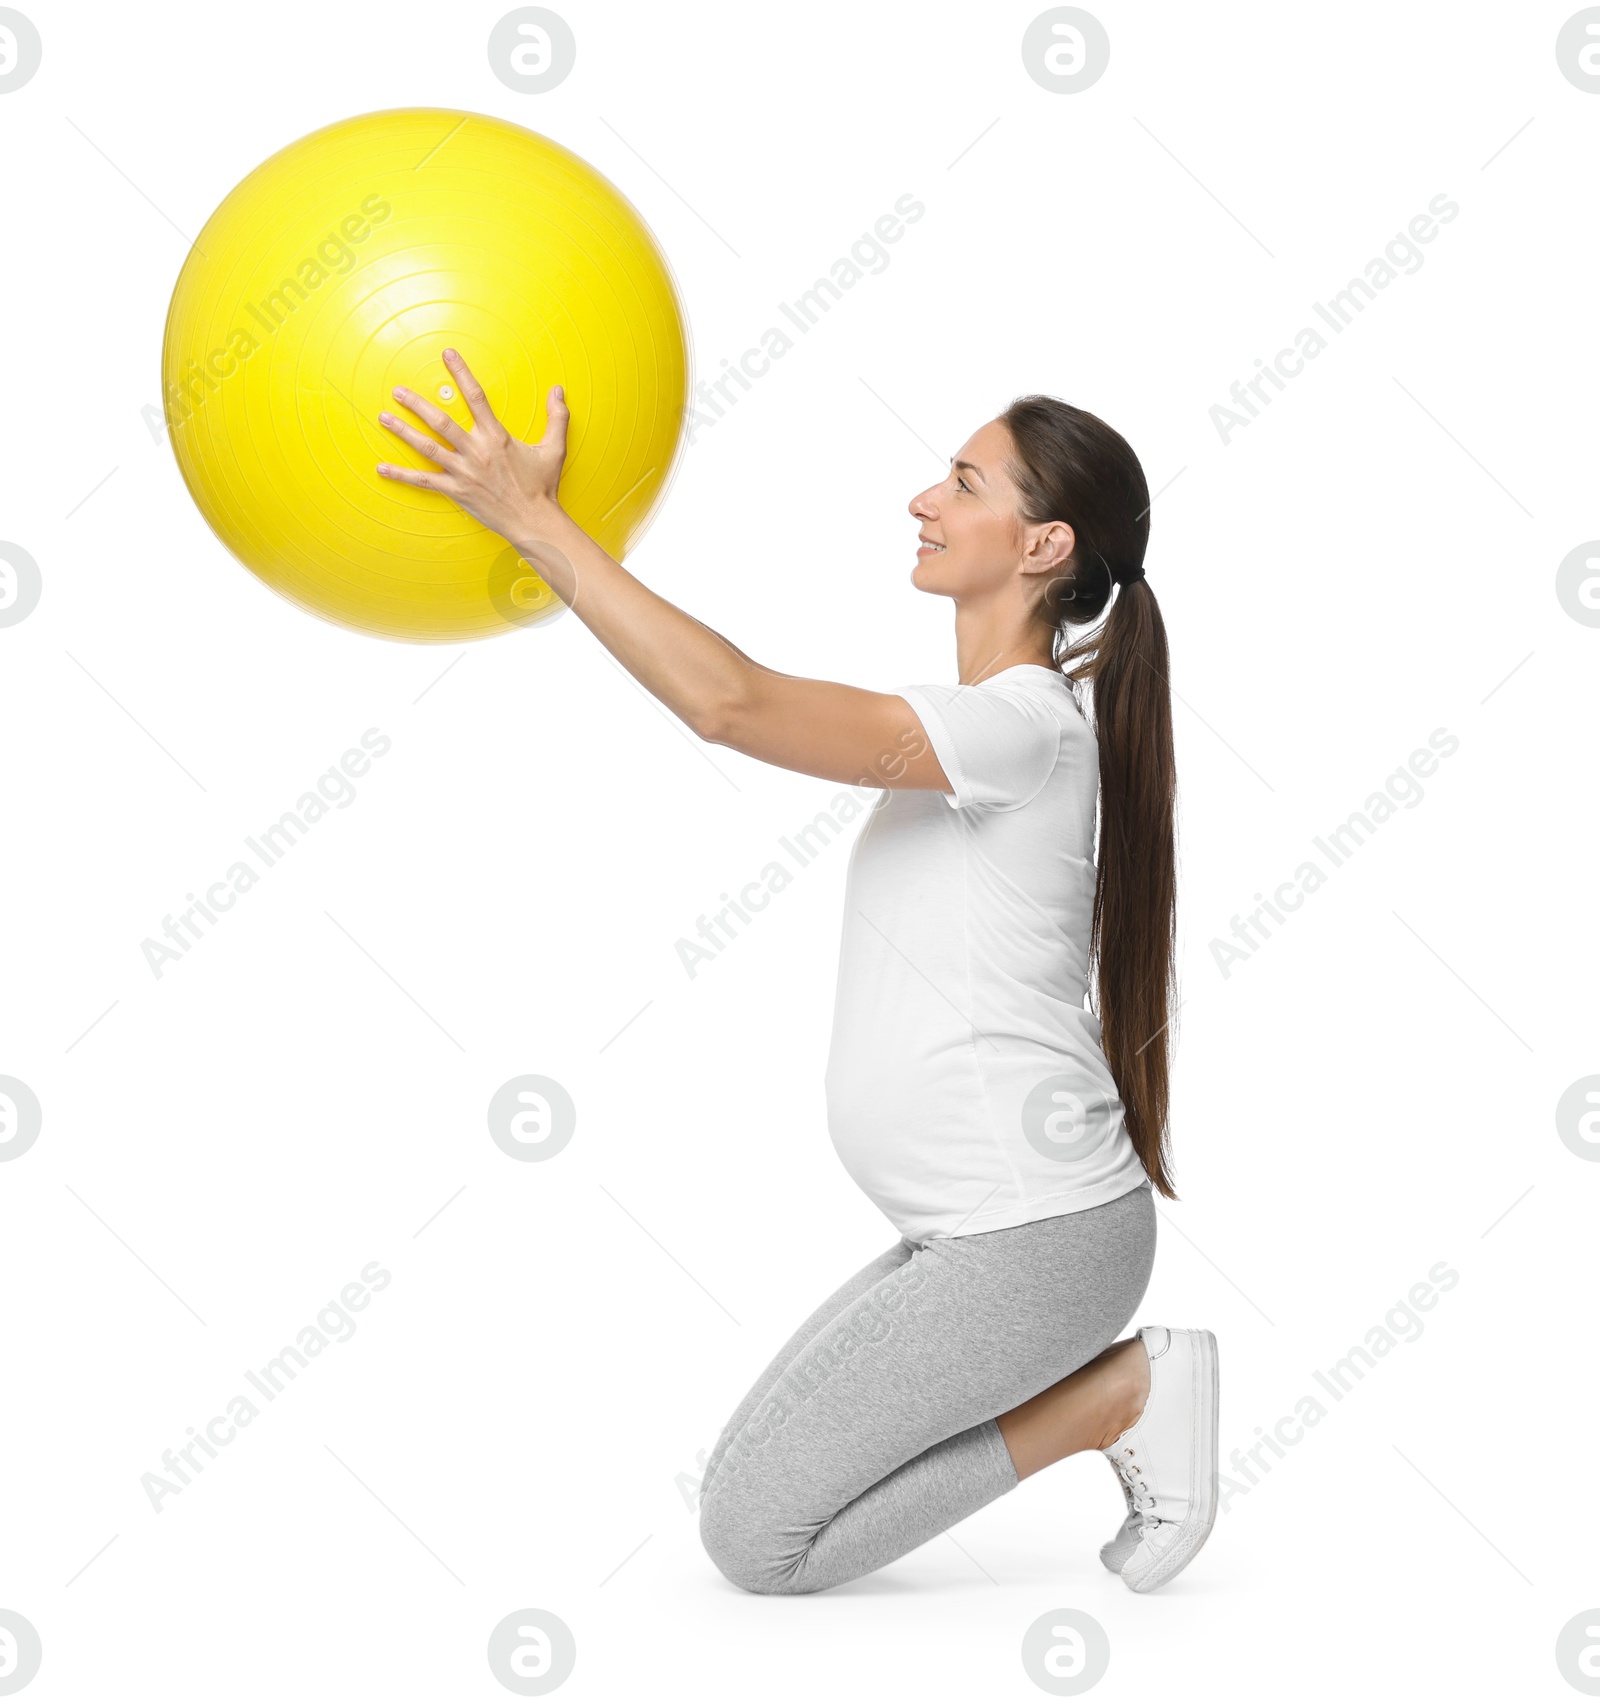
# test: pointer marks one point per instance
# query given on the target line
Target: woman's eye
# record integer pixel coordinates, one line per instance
(961, 484)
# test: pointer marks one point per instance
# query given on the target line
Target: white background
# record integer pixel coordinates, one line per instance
(1371, 1093)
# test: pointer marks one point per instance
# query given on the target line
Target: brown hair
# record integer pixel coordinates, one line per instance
(1070, 466)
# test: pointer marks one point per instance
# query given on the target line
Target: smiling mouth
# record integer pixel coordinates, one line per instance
(928, 547)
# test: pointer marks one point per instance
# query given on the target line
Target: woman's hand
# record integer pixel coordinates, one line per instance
(496, 478)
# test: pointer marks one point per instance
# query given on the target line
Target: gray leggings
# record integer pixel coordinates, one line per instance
(874, 1427)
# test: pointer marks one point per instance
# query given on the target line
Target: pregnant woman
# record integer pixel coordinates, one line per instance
(1012, 1136)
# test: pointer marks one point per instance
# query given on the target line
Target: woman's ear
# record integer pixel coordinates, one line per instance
(1050, 550)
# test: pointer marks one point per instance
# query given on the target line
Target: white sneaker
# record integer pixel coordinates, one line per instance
(1167, 1461)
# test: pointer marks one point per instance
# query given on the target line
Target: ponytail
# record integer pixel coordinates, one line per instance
(1135, 896)
(1072, 467)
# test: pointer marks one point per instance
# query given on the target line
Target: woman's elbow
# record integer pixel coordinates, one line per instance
(722, 719)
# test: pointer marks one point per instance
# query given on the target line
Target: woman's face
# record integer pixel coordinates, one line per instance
(972, 539)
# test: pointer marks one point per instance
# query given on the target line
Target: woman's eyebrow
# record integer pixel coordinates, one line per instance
(969, 467)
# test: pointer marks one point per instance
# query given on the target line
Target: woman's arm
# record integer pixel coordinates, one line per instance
(818, 727)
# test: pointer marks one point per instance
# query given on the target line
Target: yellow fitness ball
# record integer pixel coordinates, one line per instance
(342, 267)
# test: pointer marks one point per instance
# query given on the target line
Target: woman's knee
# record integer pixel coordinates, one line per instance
(743, 1546)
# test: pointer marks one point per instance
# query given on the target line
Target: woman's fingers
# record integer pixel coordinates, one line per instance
(471, 391)
(556, 416)
(431, 416)
(482, 469)
(419, 441)
(417, 476)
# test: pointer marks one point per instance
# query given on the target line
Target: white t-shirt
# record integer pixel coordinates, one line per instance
(966, 1087)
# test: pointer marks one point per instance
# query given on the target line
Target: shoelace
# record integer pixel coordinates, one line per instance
(1141, 1500)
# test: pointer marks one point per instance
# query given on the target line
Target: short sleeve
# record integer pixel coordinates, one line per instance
(997, 748)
